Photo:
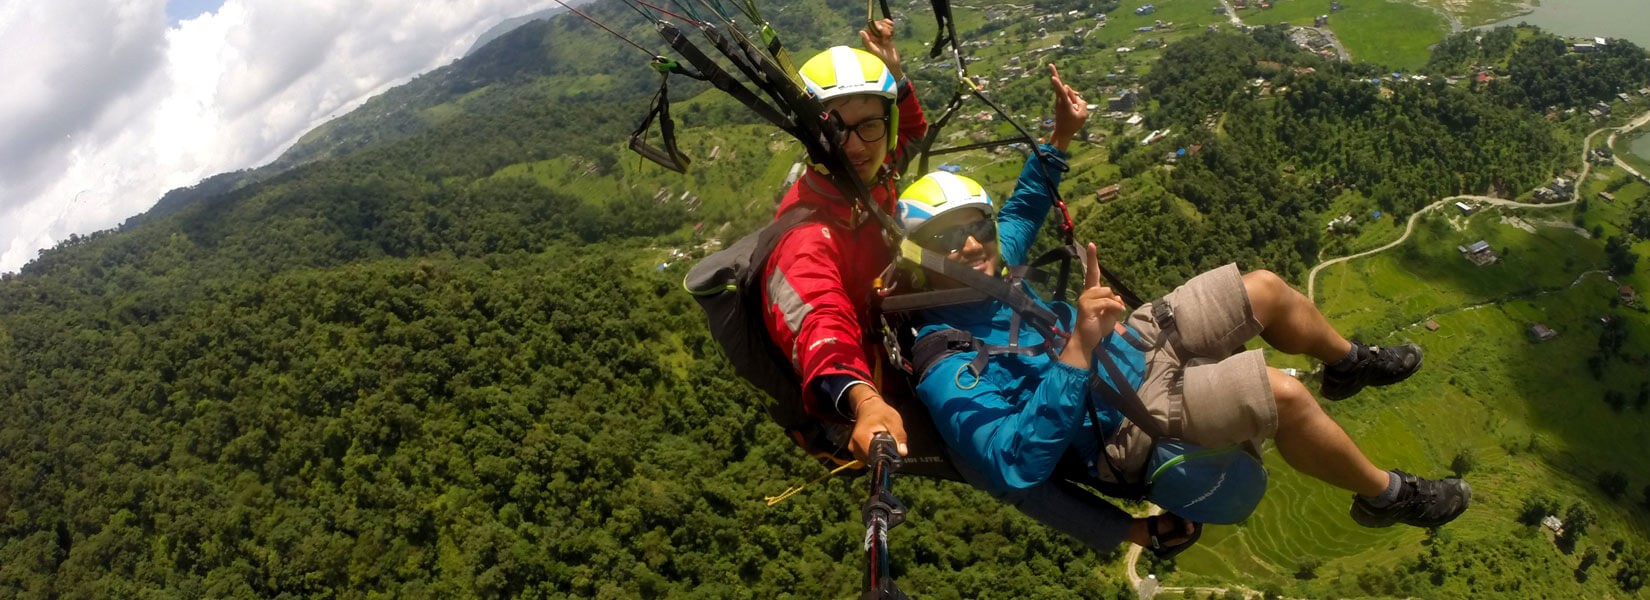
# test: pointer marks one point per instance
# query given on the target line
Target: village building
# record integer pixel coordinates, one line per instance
(1607, 196)
(1320, 21)
(1552, 523)
(1478, 252)
(1583, 48)
(1433, 325)
(1540, 332)
(1108, 193)
(1466, 209)
(1627, 294)
(1125, 101)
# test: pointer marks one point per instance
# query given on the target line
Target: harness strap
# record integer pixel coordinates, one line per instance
(915, 301)
(1104, 459)
(938, 345)
(671, 157)
(1035, 315)
(719, 77)
(945, 33)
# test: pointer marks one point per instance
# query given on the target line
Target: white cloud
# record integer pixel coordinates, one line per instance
(106, 107)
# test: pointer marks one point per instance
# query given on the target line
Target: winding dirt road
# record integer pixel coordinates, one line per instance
(1586, 168)
(1132, 560)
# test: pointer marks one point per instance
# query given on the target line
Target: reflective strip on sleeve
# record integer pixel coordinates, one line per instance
(790, 303)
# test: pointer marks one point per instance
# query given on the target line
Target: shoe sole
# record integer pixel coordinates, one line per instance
(1363, 517)
(1360, 387)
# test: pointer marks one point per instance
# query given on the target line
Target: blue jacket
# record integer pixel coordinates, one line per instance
(1013, 422)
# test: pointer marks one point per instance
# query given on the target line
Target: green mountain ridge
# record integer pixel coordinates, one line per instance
(439, 348)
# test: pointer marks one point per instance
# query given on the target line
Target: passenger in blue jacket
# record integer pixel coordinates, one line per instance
(1012, 417)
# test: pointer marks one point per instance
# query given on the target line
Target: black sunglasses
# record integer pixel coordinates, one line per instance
(952, 239)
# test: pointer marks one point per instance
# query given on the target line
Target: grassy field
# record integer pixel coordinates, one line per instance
(1472, 13)
(1395, 34)
(1530, 414)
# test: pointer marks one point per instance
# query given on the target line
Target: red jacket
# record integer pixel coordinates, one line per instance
(819, 279)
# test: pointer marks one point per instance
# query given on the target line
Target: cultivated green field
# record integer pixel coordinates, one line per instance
(1472, 13)
(1530, 415)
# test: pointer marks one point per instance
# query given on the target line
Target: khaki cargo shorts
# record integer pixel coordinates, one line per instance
(1199, 383)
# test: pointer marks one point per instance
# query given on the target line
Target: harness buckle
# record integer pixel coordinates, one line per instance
(1163, 314)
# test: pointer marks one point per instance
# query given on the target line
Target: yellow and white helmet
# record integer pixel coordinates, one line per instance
(841, 71)
(938, 193)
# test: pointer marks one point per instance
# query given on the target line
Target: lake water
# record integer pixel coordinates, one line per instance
(1628, 19)
(1640, 145)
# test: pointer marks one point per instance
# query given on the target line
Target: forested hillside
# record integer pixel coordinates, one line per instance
(440, 350)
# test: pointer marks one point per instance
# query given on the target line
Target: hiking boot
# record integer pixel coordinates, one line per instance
(1421, 503)
(1375, 365)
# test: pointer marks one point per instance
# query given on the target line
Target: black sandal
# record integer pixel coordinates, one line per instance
(1173, 526)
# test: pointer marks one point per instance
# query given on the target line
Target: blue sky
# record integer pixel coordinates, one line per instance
(182, 10)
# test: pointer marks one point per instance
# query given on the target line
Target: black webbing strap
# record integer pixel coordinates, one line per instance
(945, 32)
(1034, 314)
(1103, 459)
(719, 77)
(1124, 398)
(914, 301)
(935, 346)
(749, 59)
(671, 157)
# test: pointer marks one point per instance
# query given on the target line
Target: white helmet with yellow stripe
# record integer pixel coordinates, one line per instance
(842, 71)
(938, 193)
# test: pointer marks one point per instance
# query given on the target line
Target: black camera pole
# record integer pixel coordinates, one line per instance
(882, 512)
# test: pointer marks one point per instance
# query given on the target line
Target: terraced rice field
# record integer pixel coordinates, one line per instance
(1529, 414)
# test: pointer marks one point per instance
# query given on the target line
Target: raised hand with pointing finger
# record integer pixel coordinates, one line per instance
(1098, 311)
(1070, 111)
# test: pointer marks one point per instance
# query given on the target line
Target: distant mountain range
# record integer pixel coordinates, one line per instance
(510, 24)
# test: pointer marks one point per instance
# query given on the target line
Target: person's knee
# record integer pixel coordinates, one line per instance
(1295, 402)
(1265, 290)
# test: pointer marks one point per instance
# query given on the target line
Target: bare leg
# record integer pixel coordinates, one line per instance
(1290, 321)
(1315, 444)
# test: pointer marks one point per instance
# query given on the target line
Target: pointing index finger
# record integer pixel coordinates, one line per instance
(1091, 267)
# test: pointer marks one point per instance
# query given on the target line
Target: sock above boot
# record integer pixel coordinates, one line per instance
(1350, 360)
(1389, 495)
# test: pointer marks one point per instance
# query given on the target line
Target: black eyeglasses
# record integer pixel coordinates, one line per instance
(952, 239)
(869, 130)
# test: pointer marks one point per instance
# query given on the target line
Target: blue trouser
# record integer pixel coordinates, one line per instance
(1099, 524)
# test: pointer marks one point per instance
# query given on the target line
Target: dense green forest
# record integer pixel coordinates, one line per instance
(397, 364)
